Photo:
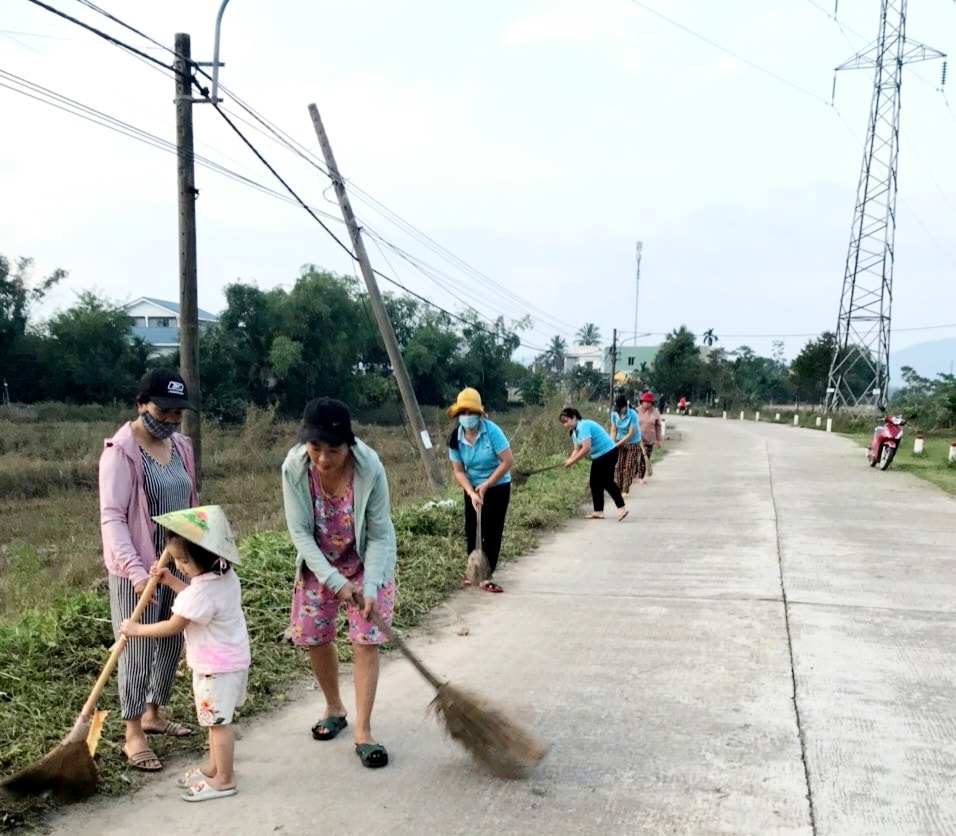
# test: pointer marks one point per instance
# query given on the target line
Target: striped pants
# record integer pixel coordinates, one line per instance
(147, 667)
(627, 464)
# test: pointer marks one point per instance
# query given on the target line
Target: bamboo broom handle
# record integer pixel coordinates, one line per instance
(395, 639)
(90, 705)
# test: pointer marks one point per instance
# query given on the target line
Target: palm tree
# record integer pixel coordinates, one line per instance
(589, 334)
(709, 337)
(554, 355)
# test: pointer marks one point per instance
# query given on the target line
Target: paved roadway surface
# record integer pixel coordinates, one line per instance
(766, 645)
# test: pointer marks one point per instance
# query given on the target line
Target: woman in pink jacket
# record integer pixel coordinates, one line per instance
(146, 469)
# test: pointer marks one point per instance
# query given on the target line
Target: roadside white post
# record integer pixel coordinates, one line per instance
(663, 427)
(725, 415)
(918, 445)
(819, 420)
(829, 425)
(741, 416)
(952, 451)
(776, 417)
(796, 419)
(756, 416)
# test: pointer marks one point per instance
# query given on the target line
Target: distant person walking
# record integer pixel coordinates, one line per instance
(592, 441)
(481, 461)
(146, 469)
(649, 420)
(627, 438)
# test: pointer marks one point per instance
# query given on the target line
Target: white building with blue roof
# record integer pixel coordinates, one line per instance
(156, 322)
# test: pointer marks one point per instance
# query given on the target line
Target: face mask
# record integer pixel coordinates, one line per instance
(468, 422)
(158, 429)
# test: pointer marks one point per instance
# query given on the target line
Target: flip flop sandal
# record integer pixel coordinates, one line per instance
(622, 515)
(171, 729)
(490, 586)
(194, 776)
(203, 792)
(373, 755)
(145, 760)
(328, 727)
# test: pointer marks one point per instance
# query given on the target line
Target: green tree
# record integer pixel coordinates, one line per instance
(678, 368)
(810, 369)
(553, 357)
(89, 355)
(19, 351)
(709, 337)
(589, 334)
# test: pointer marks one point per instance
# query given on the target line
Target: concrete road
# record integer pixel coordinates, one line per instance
(766, 645)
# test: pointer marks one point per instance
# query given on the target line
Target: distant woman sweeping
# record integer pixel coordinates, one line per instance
(481, 461)
(590, 440)
(627, 439)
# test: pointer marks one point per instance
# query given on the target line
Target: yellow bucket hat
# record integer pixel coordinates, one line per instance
(469, 399)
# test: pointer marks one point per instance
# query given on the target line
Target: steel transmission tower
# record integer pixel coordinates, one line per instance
(859, 370)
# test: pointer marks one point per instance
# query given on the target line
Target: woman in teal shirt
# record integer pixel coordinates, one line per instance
(481, 460)
(627, 438)
(591, 440)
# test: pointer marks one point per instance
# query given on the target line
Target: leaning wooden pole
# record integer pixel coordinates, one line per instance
(412, 409)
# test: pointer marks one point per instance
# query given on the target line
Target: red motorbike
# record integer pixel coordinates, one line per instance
(886, 440)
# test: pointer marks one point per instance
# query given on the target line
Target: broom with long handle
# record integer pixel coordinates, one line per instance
(68, 769)
(519, 476)
(486, 732)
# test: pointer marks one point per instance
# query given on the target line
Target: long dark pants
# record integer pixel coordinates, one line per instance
(493, 513)
(602, 479)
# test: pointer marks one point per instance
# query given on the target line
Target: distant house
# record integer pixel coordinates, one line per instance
(630, 358)
(588, 356)
(156, 322)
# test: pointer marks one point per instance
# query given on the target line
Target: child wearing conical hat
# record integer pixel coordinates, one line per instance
(208, 611)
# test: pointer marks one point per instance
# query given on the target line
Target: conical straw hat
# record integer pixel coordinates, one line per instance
(206, 526)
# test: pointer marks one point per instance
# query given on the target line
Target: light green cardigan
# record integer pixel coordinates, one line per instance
(374, 532)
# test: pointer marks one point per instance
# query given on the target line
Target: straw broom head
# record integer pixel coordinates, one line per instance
(489, 735)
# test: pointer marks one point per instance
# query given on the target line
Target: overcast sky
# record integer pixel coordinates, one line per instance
(536, 141)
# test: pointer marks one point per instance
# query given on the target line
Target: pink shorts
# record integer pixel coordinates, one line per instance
(315, 608)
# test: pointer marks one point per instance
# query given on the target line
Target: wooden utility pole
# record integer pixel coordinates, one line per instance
(412, 409)
(188, 305)
(613, 362)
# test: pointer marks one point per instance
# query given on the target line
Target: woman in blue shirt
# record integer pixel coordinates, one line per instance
(627, 438)
(591, 440)
(481, 461)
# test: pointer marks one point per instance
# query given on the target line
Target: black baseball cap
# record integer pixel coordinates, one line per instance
(164, 388)
(327, 420)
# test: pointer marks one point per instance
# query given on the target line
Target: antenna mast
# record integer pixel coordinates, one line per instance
(859, 370)
(637, 287)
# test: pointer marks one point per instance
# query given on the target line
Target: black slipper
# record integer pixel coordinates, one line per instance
(328, 727)
(373, 755)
